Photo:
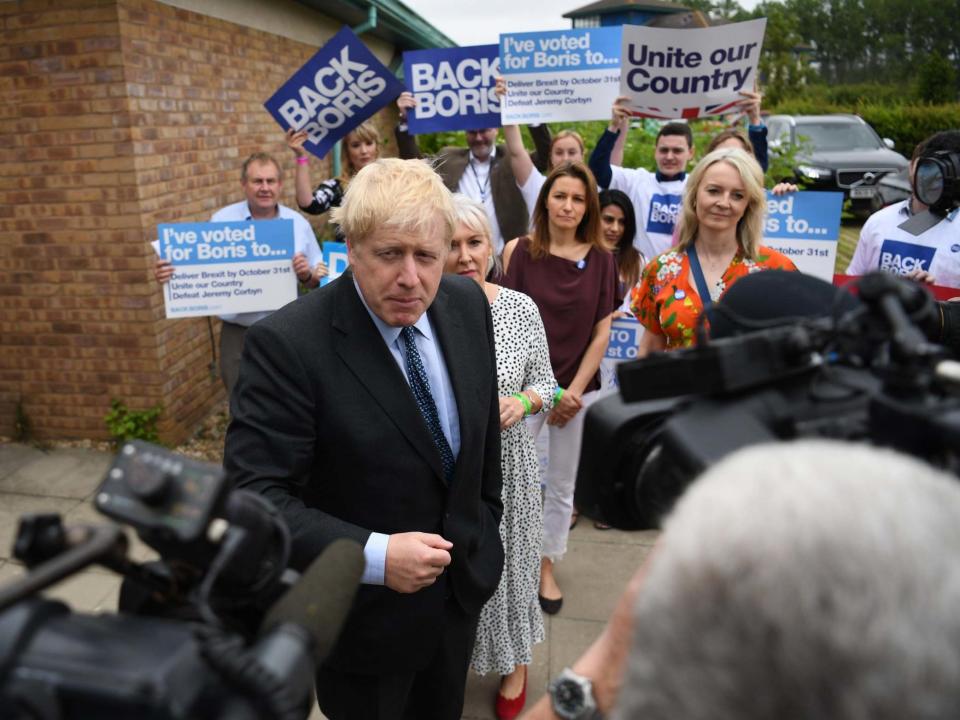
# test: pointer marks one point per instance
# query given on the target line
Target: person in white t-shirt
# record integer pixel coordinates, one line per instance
(934, 255)
(656, 196)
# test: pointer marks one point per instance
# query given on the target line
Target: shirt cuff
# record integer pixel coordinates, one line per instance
(756, 128)
(375, 555)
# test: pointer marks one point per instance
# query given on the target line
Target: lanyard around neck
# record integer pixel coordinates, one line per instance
(485, 186)
(698, 278)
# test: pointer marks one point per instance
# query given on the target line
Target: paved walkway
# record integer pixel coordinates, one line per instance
(594, 572)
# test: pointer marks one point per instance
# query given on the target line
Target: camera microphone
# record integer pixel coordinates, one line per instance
(775, 298)
(321, 598)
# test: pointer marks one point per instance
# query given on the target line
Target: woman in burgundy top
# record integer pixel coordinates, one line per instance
(564, 267)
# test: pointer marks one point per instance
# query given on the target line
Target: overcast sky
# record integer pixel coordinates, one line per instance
(469, 22)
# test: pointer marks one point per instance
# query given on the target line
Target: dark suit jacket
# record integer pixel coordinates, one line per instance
(325, 426)
(512, 214)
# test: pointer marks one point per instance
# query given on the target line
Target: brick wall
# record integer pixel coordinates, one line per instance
(124, 114)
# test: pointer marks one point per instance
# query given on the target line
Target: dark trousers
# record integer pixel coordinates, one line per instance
(432, 693)
(231, 347)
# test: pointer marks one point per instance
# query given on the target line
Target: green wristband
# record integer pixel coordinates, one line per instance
(527, 405)
(557, 395)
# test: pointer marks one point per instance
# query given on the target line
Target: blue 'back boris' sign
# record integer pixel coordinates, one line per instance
(339, 87)
(455, 88)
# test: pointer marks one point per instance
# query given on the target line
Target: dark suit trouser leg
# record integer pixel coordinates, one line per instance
(434, 693)
(231, 347)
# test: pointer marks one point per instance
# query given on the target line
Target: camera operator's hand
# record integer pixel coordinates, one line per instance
(415, 560)
(605, 660)
(570, 404)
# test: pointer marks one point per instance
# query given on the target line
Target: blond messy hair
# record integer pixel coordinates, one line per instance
(750, 226)
(404, 195)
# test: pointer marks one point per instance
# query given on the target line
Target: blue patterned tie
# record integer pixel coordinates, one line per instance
(428, 408)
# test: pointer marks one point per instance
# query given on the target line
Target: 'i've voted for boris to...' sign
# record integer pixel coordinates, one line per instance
(560, 75)
(335, 256)
(228, 267)
(625, 336)
(455, 88)
(339, 87)
(805, 226)
(689, 73)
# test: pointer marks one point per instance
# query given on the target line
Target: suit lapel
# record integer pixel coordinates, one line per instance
(457, 347)
(359, 344)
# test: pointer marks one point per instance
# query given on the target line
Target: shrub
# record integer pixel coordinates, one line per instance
(126, 424)
(937, 80)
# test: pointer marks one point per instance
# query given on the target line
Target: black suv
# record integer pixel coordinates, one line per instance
(837, 152)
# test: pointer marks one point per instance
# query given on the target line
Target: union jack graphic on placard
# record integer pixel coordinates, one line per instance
(688, 113)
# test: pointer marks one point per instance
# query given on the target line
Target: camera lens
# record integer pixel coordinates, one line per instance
(928, 183)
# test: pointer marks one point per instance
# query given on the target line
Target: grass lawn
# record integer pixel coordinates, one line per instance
(849, 233)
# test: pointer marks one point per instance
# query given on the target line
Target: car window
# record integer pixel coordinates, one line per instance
(838, 136)
(778, 131)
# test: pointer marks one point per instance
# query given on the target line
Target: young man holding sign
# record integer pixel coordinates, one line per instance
(656, 196)
(261, 180)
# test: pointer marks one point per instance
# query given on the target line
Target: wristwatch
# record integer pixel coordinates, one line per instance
(572, 697)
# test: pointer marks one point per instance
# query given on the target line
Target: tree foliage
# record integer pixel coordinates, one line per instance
(914, 44)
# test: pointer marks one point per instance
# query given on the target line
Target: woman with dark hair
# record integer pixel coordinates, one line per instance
(619, 224)
(572, 278)
(565, 146)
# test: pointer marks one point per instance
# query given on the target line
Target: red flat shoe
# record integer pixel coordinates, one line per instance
(509, 708)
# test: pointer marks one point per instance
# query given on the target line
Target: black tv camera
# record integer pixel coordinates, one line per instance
(936, 183)
(218, 627)
(868, 373)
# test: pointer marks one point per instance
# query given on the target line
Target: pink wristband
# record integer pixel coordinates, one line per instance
(302, 160)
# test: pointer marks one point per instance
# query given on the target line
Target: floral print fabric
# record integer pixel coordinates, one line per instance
(666, 302)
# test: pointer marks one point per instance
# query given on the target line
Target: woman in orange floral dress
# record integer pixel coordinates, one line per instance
(721, 229)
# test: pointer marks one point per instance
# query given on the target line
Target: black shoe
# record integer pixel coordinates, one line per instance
(550, 606)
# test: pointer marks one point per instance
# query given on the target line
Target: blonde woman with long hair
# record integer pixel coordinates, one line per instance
(720, 232)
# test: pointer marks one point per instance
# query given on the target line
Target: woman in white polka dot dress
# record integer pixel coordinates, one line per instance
(511, 621)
